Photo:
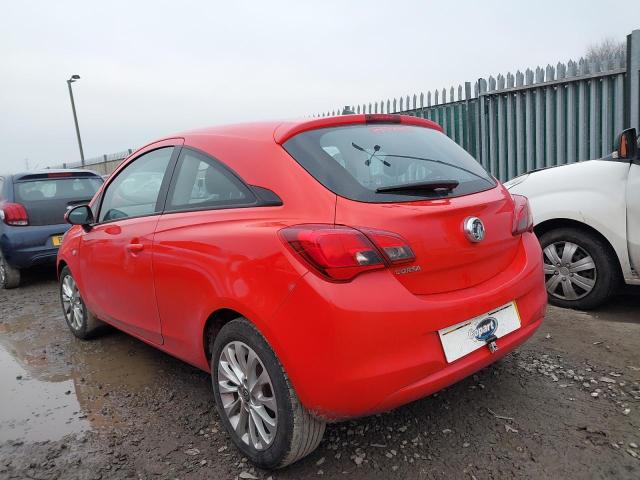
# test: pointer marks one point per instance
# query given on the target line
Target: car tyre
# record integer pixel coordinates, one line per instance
(594, 276)
(82, 323)
(297, 433)
(9, 276)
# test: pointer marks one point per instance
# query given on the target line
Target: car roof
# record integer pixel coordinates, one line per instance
(281, 130)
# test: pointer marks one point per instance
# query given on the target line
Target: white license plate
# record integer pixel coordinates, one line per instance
(461, 339)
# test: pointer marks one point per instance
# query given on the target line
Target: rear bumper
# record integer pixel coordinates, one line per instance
(24, 247)
(370, 345)
(459, 369)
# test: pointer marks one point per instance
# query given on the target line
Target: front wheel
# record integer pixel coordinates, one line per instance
(257, 405)
(82, 323)
(580, 270)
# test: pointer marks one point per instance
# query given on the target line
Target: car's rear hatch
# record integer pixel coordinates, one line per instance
(47, 197)
(403, 175)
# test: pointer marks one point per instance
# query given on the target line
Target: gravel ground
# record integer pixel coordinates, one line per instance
(565, 405)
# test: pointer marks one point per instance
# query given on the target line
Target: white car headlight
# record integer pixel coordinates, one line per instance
(516, 181)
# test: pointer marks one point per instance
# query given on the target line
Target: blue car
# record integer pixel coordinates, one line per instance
(32, 208)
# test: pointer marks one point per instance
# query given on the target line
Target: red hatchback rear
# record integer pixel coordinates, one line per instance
(320, 270)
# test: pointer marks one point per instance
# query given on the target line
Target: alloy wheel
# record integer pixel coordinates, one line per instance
(570, 271)
(247, 395)
(3, 273)
(72, 303)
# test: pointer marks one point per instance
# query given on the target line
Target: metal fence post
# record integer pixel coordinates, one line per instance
(583, 115)
(467, 135)
(511, 124)
(550, 114)
(561, 128)
(539, 118)
(482, 122)
(520, 131)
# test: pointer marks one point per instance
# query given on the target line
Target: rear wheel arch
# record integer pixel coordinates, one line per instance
(557, 223)
(213, 325)
(222, 316)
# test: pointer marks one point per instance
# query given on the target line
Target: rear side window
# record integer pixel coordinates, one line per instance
(201, 183)
(56, 189)
(354, 161)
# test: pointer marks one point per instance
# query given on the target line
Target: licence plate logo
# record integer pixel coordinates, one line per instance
(484, 329)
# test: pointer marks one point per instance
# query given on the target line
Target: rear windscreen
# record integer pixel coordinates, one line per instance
(354, 161)
(56, 189)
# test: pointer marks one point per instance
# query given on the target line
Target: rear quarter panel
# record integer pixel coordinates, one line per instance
(233, 258)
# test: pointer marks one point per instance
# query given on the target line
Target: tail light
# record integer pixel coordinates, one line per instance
(522, 218)
(394, 248)
(14, 214)
(340, 253)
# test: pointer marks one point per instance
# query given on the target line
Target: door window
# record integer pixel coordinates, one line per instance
(201, 183)
(134, 192)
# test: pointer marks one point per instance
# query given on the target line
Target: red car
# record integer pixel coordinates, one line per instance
(320, 270)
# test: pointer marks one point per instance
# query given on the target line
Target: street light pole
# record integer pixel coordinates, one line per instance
(75, 117)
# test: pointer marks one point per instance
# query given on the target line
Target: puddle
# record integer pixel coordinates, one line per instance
(52, 384)
(36, 410)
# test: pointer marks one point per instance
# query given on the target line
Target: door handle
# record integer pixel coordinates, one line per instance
(135, 247)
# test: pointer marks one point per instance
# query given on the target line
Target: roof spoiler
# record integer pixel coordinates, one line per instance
(285, 131)
(49, 175)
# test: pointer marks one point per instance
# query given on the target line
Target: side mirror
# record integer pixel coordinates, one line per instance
(627, 145)
(80, 215)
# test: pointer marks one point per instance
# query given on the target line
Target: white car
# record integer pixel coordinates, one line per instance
(587, 218)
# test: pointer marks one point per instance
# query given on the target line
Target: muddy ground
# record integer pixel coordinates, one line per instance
(565, 405)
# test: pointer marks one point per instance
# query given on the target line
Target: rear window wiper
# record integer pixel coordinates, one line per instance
(408, 188)
(442, 163)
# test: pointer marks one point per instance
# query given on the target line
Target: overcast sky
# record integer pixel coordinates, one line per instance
(152, 68)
